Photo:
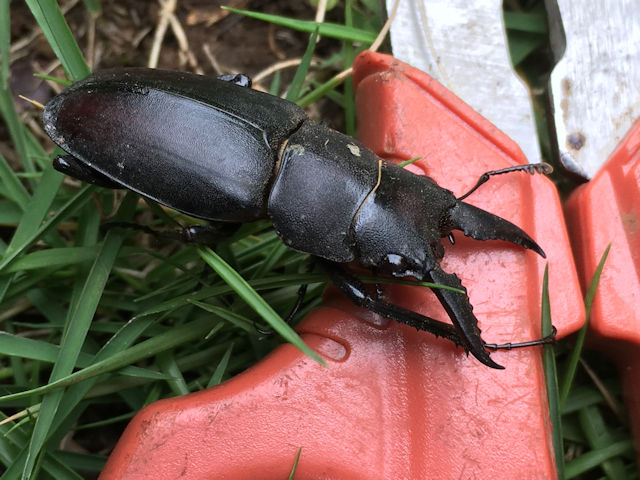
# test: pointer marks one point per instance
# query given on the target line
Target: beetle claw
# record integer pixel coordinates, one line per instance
(482, 225)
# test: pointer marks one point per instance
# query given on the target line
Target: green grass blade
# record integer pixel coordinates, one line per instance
(303, 68)
(295, 464)
(167, 362)
(80, 316)
(599, 435)
(594, 458)
(532, 22)
(12, 184)
(21, 347)
(94, 7)
(48, 15)
(216, 378)
(325, 29)
(5, 41)
(319, 92)
(572, 364)
(349, 96)
(16, 129)
(255, 301)
(54, 257)
(171, 339)
(551, 378)
(30, 228)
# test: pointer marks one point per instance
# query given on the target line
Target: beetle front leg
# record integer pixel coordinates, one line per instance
(356, 291)
(460, 311)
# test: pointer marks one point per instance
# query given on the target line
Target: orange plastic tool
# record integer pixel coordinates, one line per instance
(393, 402)
(607, 211)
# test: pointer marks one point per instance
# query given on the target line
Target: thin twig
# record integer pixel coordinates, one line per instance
(167, 7)
(376, 43)
(293, 62)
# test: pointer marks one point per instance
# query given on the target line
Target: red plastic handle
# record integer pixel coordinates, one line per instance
(393, 402)
(607, 211)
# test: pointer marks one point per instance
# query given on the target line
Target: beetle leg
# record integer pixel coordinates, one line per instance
(460, 311)
(482, 225)
(239, 79)
(356, 291)
(208, 234)
(548, 340)
(69, 165)
(531, 168)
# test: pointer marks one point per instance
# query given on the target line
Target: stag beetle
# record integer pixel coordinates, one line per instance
(215, 149)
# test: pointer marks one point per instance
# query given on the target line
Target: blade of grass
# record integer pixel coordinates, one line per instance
(572, 364)
(16, 129)
(15, 191)
(48, 15)
(175, 337)
(551, 378)
(167, 363)
(5, 40)
(295, 464)
(599, 435)
(21, 347)
(325, 29)
(255, 301)
(30, 228)
(216, 378)
(594, 458)
(303, 68)
(349, 56)
(533, 22)
(81, 314)
(54, 257)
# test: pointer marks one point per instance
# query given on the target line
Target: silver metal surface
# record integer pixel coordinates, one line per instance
(463, 45)
(596, 83)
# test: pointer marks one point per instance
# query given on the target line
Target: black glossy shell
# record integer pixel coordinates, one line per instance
(200, 145)
(323, 179)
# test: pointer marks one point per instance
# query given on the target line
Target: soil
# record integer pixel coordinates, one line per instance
(123, 34)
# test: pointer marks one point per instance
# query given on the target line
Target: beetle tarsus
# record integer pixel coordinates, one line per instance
(531, 168)
(548, 340)
(302, 291)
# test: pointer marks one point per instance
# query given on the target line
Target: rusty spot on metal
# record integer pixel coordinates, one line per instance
(576, 140)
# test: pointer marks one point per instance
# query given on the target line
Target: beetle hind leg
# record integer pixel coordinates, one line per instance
(208, 234)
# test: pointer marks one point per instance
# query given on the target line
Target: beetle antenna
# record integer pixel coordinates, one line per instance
(531, 168)
(548, 340)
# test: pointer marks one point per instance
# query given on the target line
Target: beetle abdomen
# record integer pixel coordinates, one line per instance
(196, 155)
(324, 177)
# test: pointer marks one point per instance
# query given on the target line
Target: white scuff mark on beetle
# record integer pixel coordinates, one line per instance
(354, 149)
(296, 149)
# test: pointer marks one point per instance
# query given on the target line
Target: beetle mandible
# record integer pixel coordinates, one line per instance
(215, 149)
